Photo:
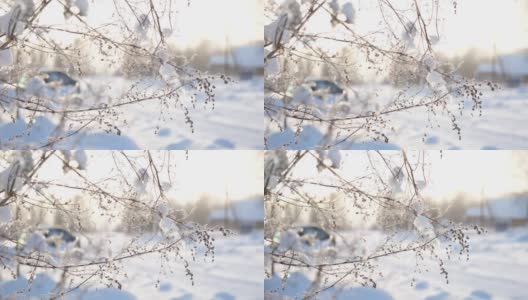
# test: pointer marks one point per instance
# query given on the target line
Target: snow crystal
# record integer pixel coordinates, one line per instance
(276, 31)
(417, 206)
(143, 174)
(429, 61)
(348, 11)
(27, 8)
(169, 74)
(5, 215)
(36, 87)
(166, 185)
(274, 165)
(434, 39)
(335, 157)
(163, 209)
(5, 57)
(142, 180)
(7, 254)
(273, 181)
(410, 29)
(10, 26)
(9, 178)
(409, 34)
(302, 95)
(163, 54)
(341, 108)
(40, 287)
(292, 9)
(66, 154)
(83, 6)
(74, 254)
(289, 240)
(424, 227)
(80, 158)
(13, 22)
(334, 6)
(273, 66)
(167, 31)
(72, 9)
(36, 242)
(143, 25)
(436, 81)
(168, 227)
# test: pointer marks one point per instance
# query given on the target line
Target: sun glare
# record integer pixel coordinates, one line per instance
(222, 23)
(484, 25)
(234, 22)
(215, 173)
(476, 174)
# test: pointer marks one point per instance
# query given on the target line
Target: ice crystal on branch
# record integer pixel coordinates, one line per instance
(90, 237)
(78, 74)
(336, 216)
(342, 72)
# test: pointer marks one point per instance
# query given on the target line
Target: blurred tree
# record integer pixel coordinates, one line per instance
(468, 63)
(200, 213)
(128, 196)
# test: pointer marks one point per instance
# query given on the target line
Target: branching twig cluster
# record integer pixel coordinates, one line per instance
(401, 48)
(135, 43)
(386, 195)
(132, 197)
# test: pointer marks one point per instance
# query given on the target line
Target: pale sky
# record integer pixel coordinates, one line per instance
(475, 173)
(240, 173)
(479, 24)
(240, 21)
(483, 24)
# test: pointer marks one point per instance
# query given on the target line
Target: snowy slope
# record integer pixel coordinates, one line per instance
(249, 210)
(506, 208)
(501, 126)
(236, 273)
(234, 123)
(495, 270)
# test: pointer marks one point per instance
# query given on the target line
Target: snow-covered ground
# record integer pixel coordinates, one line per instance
(496, 270)
(234, 123)
(501, 126)
(236, 273)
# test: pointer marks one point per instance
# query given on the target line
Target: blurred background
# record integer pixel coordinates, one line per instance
(206, 45)
(481, 41)
(221, 36)
(105, 205)
(453, 183)
(218, 188)
(324, 222)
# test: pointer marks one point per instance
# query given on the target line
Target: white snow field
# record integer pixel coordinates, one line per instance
(236, 273)
(501, 126)
(235, 122)
(496, 270)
